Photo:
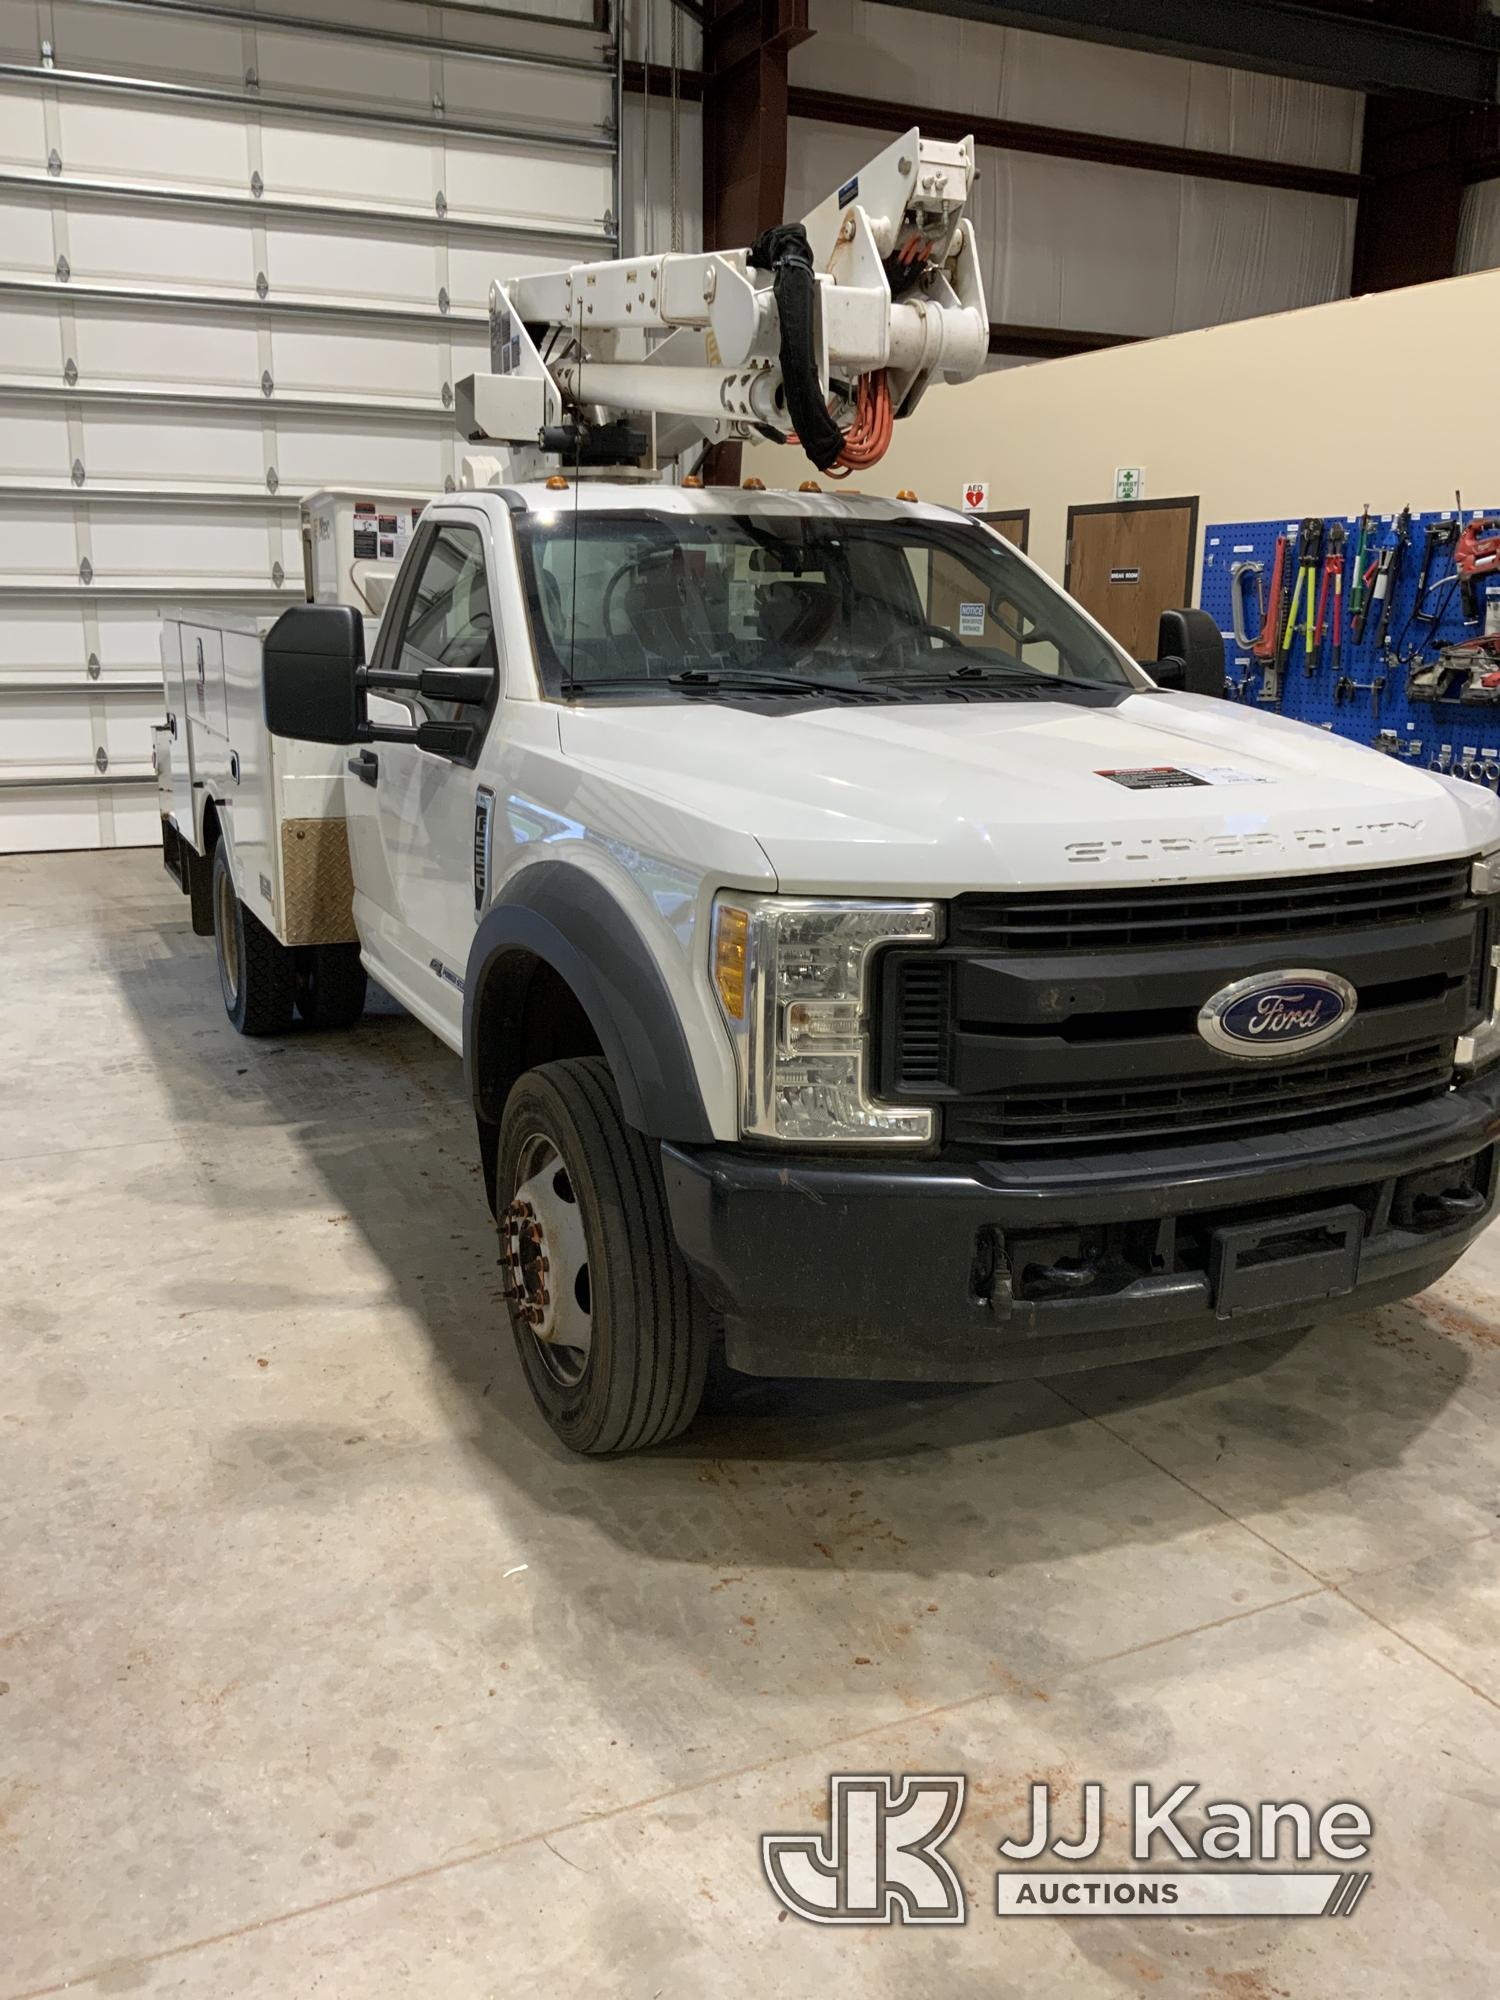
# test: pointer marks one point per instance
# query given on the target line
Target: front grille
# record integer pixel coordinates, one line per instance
(923, 1009)
(1208, 913)
(1238, 1102)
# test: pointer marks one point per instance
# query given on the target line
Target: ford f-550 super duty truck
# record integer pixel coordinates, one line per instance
(853, 954)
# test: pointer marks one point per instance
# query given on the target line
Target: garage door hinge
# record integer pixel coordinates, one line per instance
(79, 475)
(47, 56)
(93, 667)
(267, 382)
(64, 270)
(70, 371)
(273, 479)
(278, 575)
(85, 571)
(257, 185)
(262, 284)
(54, 163)
(101, 759)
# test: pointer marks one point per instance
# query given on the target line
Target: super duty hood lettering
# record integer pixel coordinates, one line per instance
(1331, 837)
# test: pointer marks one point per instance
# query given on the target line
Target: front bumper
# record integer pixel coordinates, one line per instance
(910, 1270)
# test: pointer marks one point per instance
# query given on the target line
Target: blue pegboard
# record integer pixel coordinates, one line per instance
(1446, 732)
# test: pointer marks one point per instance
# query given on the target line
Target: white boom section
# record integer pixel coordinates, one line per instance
(696, 339)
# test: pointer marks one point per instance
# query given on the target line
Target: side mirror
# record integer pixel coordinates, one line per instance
(311, 656)
(1190, 654)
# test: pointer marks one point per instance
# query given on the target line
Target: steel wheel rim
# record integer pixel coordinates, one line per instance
(229, 940)
(545, 1253)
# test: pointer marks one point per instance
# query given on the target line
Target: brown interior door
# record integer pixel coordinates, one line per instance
(949, 584)
(1128, 563)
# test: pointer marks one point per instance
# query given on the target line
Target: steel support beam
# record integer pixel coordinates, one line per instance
(882, 114)
(1051, 343)
(1354, 51)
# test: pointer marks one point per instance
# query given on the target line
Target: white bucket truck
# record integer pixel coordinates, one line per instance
(854, 956)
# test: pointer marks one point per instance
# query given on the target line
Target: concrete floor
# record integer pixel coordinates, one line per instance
(324, 1671)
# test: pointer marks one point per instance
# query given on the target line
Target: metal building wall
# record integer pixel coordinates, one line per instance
(241, 256)
(1075, 244)
(1479, 231)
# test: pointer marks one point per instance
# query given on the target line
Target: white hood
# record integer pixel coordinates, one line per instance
(934, 800)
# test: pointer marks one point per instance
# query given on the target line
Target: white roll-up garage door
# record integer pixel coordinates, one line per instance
(243, 253)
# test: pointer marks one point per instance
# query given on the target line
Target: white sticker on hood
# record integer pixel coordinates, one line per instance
(1223, 774)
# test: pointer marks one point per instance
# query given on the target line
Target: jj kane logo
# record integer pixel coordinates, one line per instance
(881, 1860)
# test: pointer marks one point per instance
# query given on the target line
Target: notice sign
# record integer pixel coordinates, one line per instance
(976, 495)
(1124, 576)
(1152, 778)
(1130, 482)
(971, 621)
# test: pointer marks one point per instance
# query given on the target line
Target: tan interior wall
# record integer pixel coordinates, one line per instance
(1370, 400)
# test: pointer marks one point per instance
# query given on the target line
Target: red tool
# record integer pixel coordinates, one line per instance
(1477, 554)
(1333, 579)
(1266, 646)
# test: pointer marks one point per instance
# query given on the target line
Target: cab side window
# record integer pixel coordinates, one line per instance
(448, 619)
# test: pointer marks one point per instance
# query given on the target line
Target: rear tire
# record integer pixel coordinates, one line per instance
(256, 975)
(331, 985)
(612, 1332)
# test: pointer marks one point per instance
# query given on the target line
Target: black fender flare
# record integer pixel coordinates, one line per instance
(569, 920)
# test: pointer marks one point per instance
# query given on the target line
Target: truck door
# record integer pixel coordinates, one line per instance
(412, 813)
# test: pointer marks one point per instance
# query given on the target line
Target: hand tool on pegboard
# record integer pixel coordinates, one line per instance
(1244, 638)
(1476, 554)
(1386, 572)
(1309, 553)
(1441, 536)
(1359, 590)
(1267, 648)
(1332, 585)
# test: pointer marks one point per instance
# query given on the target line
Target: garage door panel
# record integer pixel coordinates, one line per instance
(35, 441)
(474, 267)
(38, 821)
(550, 187)
(129, 539)
(119, 346)
(397, 458)
(181, 445)
(308, 66)
(23, 127)
(132, 140)
(43, 729)
(549, 100)
(33, 540)
(337, 263)
(30, 343)
(26, 240)
(127, 724)
(391, 363)
(112, 245)
(98, 38)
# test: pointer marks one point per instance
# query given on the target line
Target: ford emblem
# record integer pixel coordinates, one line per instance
(1278, 1013)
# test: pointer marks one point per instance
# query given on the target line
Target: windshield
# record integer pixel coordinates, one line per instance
(657, 603)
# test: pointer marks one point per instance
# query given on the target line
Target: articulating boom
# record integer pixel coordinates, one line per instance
(820, 334)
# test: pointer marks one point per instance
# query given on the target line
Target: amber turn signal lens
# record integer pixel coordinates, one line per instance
(731, 943)
(557, 484)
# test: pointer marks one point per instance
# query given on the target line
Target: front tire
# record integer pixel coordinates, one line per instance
(612, 1332)
(256, 975)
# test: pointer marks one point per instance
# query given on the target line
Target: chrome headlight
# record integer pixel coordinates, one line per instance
(792, 976)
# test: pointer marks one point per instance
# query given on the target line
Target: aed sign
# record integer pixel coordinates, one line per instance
(976, 496)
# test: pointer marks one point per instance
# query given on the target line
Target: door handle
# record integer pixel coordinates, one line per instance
(366, 767)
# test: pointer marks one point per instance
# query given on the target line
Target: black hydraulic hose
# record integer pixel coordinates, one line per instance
(786, 253)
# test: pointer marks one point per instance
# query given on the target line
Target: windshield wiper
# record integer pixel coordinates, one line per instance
(703, 680)
(1019, 676)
